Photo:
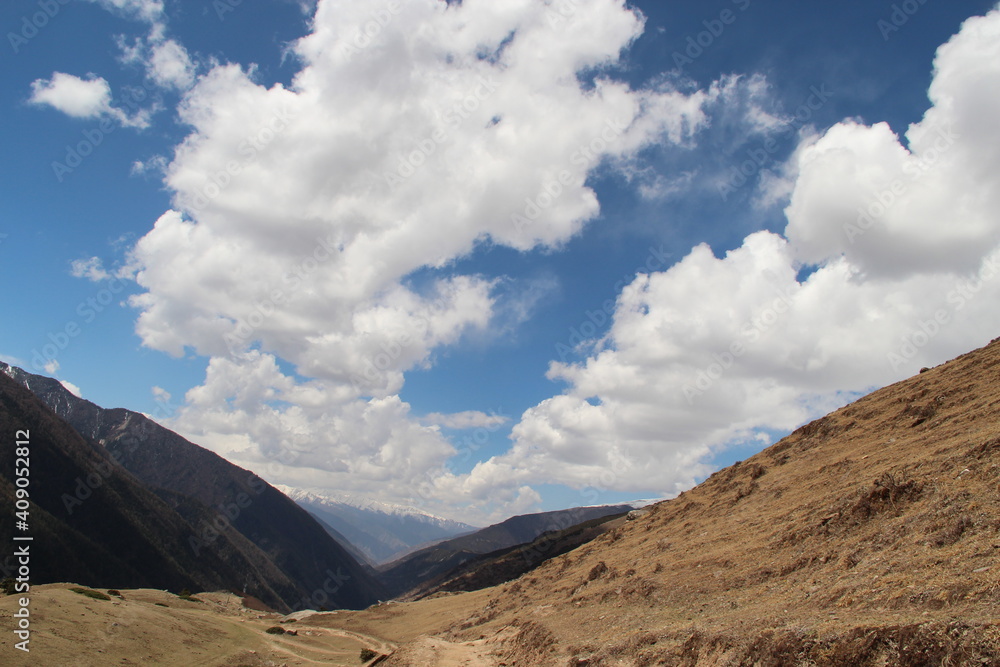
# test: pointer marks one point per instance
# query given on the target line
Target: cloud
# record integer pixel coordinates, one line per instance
(170, 66)
(166, 62)
(71, 388)
(901, 250)
(465, 420)
(301, 214)
(81, 98)
(76, 97)
(92, 269)
(142, 10)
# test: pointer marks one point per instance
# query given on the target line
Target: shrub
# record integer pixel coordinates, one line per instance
(368, 654)
(7, 585)
(90, 593)
(116, 593)
(275, 630)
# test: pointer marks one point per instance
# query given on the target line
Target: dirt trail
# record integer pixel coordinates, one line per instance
(437, 652)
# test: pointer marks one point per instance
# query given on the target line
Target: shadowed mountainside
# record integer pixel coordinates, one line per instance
(503, 565)
(425, 565)
(93, 522)
(217, 498)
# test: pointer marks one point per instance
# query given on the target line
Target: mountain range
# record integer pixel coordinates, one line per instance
(145, 507)
(218, 518)
(868, 537)
(413, 570)
(378, 530)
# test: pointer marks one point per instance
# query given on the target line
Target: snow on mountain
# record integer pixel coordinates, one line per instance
(381, 531)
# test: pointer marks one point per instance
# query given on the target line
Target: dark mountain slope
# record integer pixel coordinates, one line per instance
(90, 520)
(427, 564)
(213, 494)
(503, 565)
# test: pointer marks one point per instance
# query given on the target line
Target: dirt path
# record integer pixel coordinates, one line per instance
(318, 646)
(437, 652)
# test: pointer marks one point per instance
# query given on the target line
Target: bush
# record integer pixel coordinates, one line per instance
(368, 654)
(275, 630)
(116, 593)
(7, 585)
(90, 593)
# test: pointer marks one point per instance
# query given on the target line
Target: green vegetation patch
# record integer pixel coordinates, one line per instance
(91, 593)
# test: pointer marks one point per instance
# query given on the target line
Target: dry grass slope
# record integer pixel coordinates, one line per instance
(868, 537)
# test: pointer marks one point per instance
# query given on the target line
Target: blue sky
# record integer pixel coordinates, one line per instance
(475, 336)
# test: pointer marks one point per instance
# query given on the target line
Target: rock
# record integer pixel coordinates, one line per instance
(636, 514)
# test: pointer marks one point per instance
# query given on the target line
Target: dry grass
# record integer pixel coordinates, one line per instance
(871, 536)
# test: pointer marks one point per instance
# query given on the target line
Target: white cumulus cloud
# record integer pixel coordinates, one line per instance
(81, 98)
(890, 260)
(302, 213)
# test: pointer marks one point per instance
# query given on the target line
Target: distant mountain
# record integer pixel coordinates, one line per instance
(380, 531)
(293, 555)
(412, 571)
(503, 565)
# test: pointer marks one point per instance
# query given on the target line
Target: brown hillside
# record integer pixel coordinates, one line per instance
(868, 537)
